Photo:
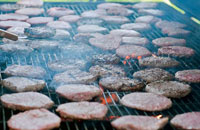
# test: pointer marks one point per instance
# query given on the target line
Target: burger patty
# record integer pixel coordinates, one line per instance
(135, 40)
(102, 59)
(61, 34)
(116, 83)
(168, 41)
(10, 7)
(178, 51)
(125, 33)
(59, 25)
(186, 121)
(16, 48)
(147, 19)
(82, 110)
(154, 12)
(136, 26)
(70, 18)
(21, 84)
(93, 13)
(30, 3)
(120, 11)
(38, 119)
(84, 37)
(139, 123)
(30, 11)
(176, 32)
(59, 11)
(171, 24)
(151, 75)
(146, 101)
(18, 31)
(26, 101)
(78, 92)
(160, 62)
(39, 20)
(132, 50)
(192, 75)
(109, 5)
(115, 19)
(44, 45)
(39, 32)
(10, 23)
(144, 5)
(171, 89)
(91, 29)
(90, 21)
(25, 71)
(12, 16)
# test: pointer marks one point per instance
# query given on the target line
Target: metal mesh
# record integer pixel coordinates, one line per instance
(187, 104)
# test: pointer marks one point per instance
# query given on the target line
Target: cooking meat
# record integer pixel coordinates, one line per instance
(12, 16)
(177, 32)
(59, 25)
(135, 40)
(16, 48)
(93, 13)
(30, 11)
(20, 41)
(121, 11)
(91, 29)
(147, 19)
(171, 24)
(186, 121)
(9, 24)
(44, 45)
(106, 70)
(90, 21)
(78, 92)
(144, 5)
(59, 11)
(18, 31)
(116, 83)
(154, 74)
(133, 51)
(169, 41)
(171, 89)
(38, 119)
(192, 75)
(10, 7)
(22, 84)
(31, 3)
(160, 62)
(136, 26)
(61, 34)
(40, 32)
(178, 51)
(25, 71)
(139, 123)
(39, 20)
(115, 19)
(102, 59)
(109, 5)
(70, 18)
(82, 110)
(84, 37)
(26, 100)
(146, 101)
(66, 64)
(125, 33)
(154, 12)
(106, 42)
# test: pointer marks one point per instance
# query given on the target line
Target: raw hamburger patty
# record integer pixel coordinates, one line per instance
(135, 40)
(154, 12)
(90, 21)
(30, 11)
(139, 123)
(160, 62)
(102, 59)
(192, 76)
(121, 11)
(93, 13)
(82, 110)
(146, 101)
(177, 32)
(59, 25)
(106, 70)
(144, 5)
(146, 19)
(40, 32)
(12, 16)
(59, 11)
(26, 101)
(25, 71)
(151, 75)
(171, 24)
(117, 83)
(16, 48)
(9, 24)
(136, 26)
(31, 3)
(39, 20)
(178, 51)
(70, 18)
(38, 119)
(168, 41)
(106, 42)
(10, 7)
(125, 33)
(132, 50)
(171, 89)
(21, 84)
(91, 29)
(78, 92)
(187, 121)
(115, 19)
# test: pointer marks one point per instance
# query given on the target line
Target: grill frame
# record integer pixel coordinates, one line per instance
(189, 103)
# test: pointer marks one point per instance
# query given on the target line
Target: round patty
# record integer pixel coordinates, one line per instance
(12, 16)
(136, 26)
(93, 13)
(109, 5)
(38, 119)
(90, 21)
(39, 20)
(26, 101)
(171, 89)
(78, 92)
(116, 83)
(59, 25)
(30, 3)
(82, 110)
(132, 50)
(91, 29)
(187, 121)
(59, 11)
(44, 45)
(178, 51)
(125, 33)
(160, 62)
(61, 34)
(70, 18)
(176, 32)
(146, 19)
(121, 11)
(115, 19)
(30, 11)
(171, 24)
(10, 7)
(40, 32)
(146, 101)
(139, 123)
(135, 40)
(102, 59)
(144, 5)
(155, 12)
(16, 48)
(151, 75)
(11, 23)
(168, 41)
(192, 76)
(18, 31)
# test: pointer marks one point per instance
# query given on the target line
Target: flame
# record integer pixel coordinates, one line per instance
(112, 117)
(124, 62)
(139, 57)
(159, 116)
(154, 55)
(108, 99)
(127, 57)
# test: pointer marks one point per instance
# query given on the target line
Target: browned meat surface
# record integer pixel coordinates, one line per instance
(146, 19)
(12, 16)
(39, 20)
(136, 26)
(155, 12)
(135, 40)
(91, 29)
(70, 18)
(102, 59)
(30, 3)
(169, 41)
(192, 75)
(115, 19)
(11, 23)
(59, 11)
(125, 33)
(30, 11)
(59, 25)
(144, 5)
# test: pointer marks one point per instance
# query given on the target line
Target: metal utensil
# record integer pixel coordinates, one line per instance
(8, 35)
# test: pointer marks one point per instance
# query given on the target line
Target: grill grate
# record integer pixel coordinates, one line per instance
(187, 104)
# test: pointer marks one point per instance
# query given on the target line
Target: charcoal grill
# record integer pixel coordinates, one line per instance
(187, 104)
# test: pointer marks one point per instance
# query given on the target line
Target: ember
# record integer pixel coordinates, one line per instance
(124, 62)
(128, 57)
(159, 116)
(108, 99)
(112, 117)
(139, 57)
(154, 55)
